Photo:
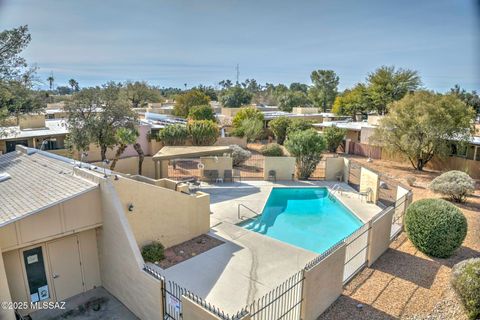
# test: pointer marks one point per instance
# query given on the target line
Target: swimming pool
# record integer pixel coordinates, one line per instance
(304, 217)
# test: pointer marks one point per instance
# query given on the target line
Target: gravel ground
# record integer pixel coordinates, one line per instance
(404, 283)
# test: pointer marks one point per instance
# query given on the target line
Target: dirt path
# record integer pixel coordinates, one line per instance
(405, 283)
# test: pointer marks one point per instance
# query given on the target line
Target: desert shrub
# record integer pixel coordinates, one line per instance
(466, 283)
(245, 113)
(173, 135)
(333, 137)
(455, 184)
(203, 132)
(307, 147)
(435, 226)
(279, 128)
(298, 124)
(252, 129)
(153, 252)
(204, 112)
(272, 150)
(411, 180)
(239, 154)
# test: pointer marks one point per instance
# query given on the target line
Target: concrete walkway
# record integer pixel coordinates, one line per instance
(248, 265)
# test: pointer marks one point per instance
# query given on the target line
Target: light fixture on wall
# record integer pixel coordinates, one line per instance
(130, 207)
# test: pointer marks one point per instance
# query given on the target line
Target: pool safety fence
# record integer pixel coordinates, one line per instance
(172, 294)
(283, 302)
(286, 301)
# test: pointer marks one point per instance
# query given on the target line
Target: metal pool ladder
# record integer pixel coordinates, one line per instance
(336, 187)
(251, 210)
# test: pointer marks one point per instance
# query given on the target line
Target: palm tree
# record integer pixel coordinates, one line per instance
(50, 80)
(74, 84)
(141, 156)
(124, 137)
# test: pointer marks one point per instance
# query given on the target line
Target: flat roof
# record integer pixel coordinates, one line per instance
(268, 115)
(52, 127)
(175, 152)
(36, 181)
(350, 125)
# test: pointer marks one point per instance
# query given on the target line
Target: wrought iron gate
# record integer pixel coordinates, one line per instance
(172, 301)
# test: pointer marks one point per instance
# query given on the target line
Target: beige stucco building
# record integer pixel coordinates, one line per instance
(66, 229)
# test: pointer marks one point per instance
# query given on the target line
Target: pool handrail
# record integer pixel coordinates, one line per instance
(242, 205)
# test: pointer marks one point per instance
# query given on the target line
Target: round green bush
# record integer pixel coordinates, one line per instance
(153, 252)
(435, 226)
(272, 150)
(466, 283)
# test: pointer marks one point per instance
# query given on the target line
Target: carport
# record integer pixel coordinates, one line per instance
(167, 153)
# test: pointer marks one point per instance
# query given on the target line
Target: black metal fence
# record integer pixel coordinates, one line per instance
(284, 302)
(180, 169)
(252, 168)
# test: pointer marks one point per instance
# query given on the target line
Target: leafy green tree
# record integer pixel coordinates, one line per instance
(324, 90)
(95, 115)
(333, 137)
(203, 132)
(307, 147)
(124, 138)
(252, 128)
(190, 99)
(235, 97)
(209, 91)
(470, 98)
(279, 128)
(252, 86)
(139, 94)
(292, 99)
(387, 84)
(12, 43)
(17, 99)
(173, 135)
(353, 102)
(204, 112)
(225, 84)
(420, 125)
(245, 113)
(73, 84)
(300, 87)
(299, 124)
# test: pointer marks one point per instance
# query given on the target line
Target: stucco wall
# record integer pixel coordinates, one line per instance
(217, 163)
(161, 214)
(130, 166)
(77, 214)
(31, 121)
(366, 134)
(379, 236)
(193, 311)
(334, 167)
(369, 179)
(300, 110)
(323, 284)
(121, 263)
(4, 293)
(283, 166)
(227, 141)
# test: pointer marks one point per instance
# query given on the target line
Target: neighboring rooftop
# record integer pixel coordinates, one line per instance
(269, 115)
(52, 127)
(37, 181)
(350, 125)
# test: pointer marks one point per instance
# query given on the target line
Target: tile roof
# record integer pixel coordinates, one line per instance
(36, 182)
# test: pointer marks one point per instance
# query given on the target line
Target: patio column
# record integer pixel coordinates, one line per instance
(157, 169)
(475, 153)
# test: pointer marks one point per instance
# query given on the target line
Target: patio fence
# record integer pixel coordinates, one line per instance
(284, 302)
(172, 299)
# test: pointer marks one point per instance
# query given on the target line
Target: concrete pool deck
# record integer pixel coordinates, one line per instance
(248, 265)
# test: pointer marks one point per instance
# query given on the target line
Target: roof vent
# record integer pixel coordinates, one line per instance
(4, 176)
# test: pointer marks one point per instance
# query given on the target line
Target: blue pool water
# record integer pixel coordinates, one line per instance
(304, 217)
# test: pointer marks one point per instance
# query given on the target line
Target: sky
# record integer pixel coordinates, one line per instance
(173, 42)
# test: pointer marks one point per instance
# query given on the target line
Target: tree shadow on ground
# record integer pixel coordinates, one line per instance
(346, 308)
(414, 269)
